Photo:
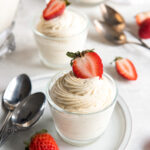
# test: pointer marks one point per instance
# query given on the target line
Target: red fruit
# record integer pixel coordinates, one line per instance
(86, 64)
(141, 17)
(144, 31)
(42, 141)
(126, 68)
(54, 9)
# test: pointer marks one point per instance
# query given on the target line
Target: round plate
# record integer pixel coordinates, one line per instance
(115, 138)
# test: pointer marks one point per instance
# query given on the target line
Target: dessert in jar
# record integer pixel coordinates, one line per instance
(58, 30)
(82, 100)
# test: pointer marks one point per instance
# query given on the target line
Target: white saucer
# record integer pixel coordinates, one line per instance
(115, 138)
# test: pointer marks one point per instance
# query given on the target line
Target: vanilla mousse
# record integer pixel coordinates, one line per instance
(66, 25)
(82, 95)
(56, 36)
(81, 108)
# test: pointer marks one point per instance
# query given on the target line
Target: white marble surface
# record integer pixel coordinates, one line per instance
(137, 93)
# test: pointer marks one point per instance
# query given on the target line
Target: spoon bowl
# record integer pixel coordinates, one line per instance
(110, 34)
(29, 111)
(26, 114)
(112, 18)
(17, 90)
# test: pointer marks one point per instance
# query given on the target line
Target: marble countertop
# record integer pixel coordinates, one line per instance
(136, 93)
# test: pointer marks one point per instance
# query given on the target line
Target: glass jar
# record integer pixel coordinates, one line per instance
(80, 129)
(52, 50)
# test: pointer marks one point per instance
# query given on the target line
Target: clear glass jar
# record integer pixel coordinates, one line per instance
(52, 50)
(80, 129)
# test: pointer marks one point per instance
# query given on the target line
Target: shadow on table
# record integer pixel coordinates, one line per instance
(133, 29)
(94, 36)
(113, 73)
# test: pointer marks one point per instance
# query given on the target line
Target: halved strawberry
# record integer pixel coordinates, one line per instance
(54, 9)
(86, 64)
(126, 68)
(141, 17)
(144, 30)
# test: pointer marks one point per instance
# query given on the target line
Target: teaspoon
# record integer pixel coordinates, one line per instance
(112, 36)
(16, 91)
(116, 21)
(26, 114)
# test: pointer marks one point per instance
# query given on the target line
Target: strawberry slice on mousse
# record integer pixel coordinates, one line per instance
(86, 64)
(54, 9)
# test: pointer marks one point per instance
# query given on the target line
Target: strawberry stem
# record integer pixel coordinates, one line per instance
(117, 58)
(67, 2)
(73, 55)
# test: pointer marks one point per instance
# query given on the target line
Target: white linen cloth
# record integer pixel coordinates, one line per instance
(136, 93)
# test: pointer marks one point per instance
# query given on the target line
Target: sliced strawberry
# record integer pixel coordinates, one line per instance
(141, 17)
(126, 68)
(144, 31)
(54, 9)
(86, 64)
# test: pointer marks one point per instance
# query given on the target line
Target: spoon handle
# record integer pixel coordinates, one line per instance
(139, 39)
(7, 132)
(5, 123)
(140, 44)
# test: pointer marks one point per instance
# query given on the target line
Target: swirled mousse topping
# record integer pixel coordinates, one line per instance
(85, 89)
(66, 25)
(56, 21)
(81, 95)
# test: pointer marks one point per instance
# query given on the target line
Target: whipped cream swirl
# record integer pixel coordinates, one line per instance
(82, 95)
(68, 24)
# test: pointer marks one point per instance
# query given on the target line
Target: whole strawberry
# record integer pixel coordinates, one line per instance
(125, 68)
(144, 31)
(42, 141)
(86, 64)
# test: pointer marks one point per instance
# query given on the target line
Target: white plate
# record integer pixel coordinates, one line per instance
(115, 138)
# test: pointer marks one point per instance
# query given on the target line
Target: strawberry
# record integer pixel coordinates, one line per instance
(125, 68)
(141, 17)
(54, 9)
(144, 31)
(86, 64)
(42, 141)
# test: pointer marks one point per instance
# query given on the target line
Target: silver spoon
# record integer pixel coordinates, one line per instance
(112, 36)
(16, 91)
(116, 21)
(26, 114)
